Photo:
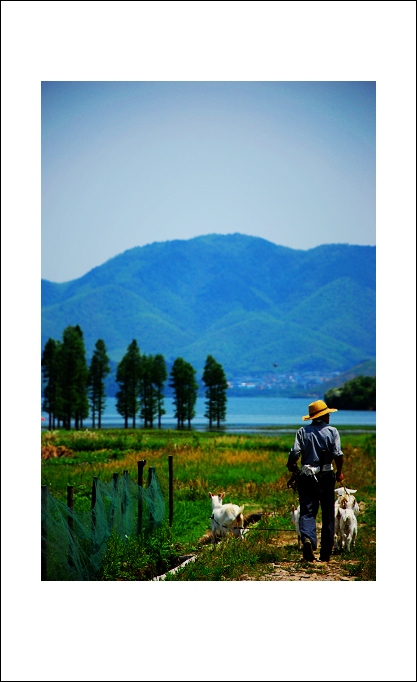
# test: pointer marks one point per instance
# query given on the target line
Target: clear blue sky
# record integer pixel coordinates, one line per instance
(126, 164)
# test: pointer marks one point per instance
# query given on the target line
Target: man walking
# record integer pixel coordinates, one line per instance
(318, 444)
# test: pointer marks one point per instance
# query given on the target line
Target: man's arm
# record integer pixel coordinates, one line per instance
(294, 454)
(338, 456)
(292, 464)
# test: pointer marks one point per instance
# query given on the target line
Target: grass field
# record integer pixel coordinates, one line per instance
(251, 469)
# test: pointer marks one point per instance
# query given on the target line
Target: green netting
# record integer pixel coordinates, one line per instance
(74, 543)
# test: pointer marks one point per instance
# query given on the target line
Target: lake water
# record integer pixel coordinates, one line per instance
(245, 414)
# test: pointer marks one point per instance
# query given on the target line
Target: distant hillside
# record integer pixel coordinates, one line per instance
(244, 300)
(366, 368)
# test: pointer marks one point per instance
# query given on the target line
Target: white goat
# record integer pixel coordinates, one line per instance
(347, 501)
(295, 518)
(348, 528)
(226, 519)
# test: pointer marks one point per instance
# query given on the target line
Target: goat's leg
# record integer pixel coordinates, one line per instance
(337, 538)
(354, 537)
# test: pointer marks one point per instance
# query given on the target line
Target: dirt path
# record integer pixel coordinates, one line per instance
(303, 570)
(298, 569)
(290, 570)
(292, 573)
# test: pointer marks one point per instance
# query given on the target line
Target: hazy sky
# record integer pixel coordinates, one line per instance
(128, 163)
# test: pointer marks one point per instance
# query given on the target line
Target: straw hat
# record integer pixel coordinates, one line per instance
(318, 409)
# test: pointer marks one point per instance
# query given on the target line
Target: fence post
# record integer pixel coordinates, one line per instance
(70, 505)
(44, 540)
(141, 464)
(171, 489)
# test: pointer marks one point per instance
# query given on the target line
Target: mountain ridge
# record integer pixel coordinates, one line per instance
(246, 301)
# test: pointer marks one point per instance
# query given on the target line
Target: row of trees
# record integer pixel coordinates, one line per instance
(357, 394)
(71, 388)
(141, 379)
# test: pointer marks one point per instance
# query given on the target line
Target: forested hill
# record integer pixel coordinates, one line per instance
(244, 300)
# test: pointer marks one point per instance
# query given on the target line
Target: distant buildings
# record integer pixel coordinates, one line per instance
(270, 382)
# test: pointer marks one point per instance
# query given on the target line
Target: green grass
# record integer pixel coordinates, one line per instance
(234, 559)
(137, 559)
(251, 469)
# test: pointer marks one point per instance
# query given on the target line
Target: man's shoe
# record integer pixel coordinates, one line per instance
(325, 558)
(308, 550)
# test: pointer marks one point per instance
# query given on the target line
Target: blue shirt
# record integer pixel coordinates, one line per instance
(318, 443)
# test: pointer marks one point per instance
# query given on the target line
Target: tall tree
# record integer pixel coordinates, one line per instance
(160, 376)
(50, 371)
(153, 377)
(128, 376)
(185, 391)
(147, 392)
(122, 395)
(73, 377)
(99, 369)
(215, 381)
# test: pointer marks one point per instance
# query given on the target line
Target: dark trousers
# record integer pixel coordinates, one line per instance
(313, 493)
